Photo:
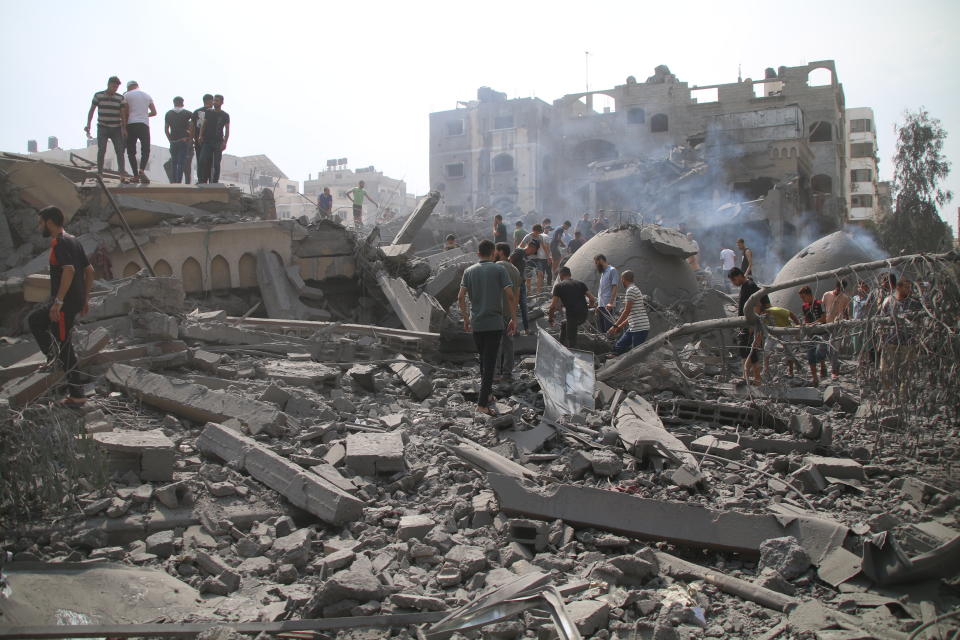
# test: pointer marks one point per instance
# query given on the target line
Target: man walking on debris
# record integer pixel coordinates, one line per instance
(817, 353)
(138, 108)
(178, 126)
(499, 230)
(746, 260)
(556, 243)
(214, 135)
(898, 349)
(518, 258)
(487, 284)
(633, 318)
(325, 204)
(749, 341)
(541, 258)
(573, 296)
(71, 278)
(356, 196)
(778, 317)
(505, 357)
(198, 117)
(606, 293)
(110, 123)
(518, 234)
(836, 306)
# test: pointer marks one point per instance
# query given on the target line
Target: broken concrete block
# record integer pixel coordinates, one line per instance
(419, 385)
(529, 532)
(414, 527)
(469, 559)
(418, 602)
(337, 560)
(843, 468)
(835, 397)
(358, 585)
(770, 578)
(275, 395)
(588, 615)
(370, 454)
(605, 463)
(293, 548)
(643, 433)
(715, 446)
(416, 220)
(302, 488)
(806, 425)
(205, 360)
(161, 544)
(148, 454)
(785, 556)
(363, 376)
(301, 374)
(195, 402)
(809, 479)
(171, 495)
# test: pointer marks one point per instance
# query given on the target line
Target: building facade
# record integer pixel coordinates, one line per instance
(863, 192)
(595, 150)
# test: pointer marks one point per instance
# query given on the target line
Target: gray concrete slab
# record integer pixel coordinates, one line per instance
(419, 384)
(417, 219)
(306, 490)
(417, 312)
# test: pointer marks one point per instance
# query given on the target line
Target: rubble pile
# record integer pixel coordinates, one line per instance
(299, 472)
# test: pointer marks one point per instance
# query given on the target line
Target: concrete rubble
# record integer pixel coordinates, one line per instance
(303, 450)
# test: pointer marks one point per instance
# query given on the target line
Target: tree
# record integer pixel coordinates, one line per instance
(919, 169)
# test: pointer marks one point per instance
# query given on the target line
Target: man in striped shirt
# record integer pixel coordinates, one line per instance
(110, 124)
(633, 317)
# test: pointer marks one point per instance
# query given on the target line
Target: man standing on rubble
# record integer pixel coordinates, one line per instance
(178, 126)
(541, 258)
(110, 123)
(505, 357)
(898, 345)
(633, 318)
(199, 114)
(746, 260)
(487, 284)
(727, 262)
(556, 243)
(585, 227)
(214, 135)
(748, 340)
(519, 233)
(817, 352)
(138, 108)
(836, 306)
(499, 230)
(71, 278)
(573, 296)
(325, 204)
(606, 293)
(356, 196)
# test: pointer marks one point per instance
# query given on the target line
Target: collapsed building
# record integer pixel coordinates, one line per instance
(280, 439)
(761, 158)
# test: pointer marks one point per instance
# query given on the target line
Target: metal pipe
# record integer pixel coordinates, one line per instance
(126, 226)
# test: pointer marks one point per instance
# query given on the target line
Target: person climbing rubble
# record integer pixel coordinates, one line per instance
(749, 340)
(898, 343)
(813, 313)
(633, 320)
(836, 306)
(576, 301)
(778, 317)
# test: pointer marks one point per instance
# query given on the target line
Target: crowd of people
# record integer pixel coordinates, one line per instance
(123, 119)
(499, 287)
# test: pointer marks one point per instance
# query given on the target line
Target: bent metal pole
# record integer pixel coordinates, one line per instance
(126, 226)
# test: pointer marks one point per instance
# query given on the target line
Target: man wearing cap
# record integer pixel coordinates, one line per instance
(110, 123)
(138, 108)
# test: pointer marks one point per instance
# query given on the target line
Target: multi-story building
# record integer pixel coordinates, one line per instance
(388, 192)
(863, 195)
(601, 150)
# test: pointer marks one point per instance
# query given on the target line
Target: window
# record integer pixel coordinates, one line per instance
(291, 188)
(861, 201)
(821, 132)
(455, 128)
(860, 125)
(658, 123)
(503, 162)
(636, 115)
(821, 184)
(861, 175)
(454, 170)
(861, 150)
(503, 122)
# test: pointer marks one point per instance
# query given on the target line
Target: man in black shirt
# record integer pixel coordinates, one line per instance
(749, 341)
(214, 135)
(573, 296)
(198, 117)
(576, 243)
(178, 125)
(71, 278)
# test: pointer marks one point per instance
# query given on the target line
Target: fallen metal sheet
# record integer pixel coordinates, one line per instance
(506, 601)
(660, 520)
(44, 593)
(566, 377)
(487, 460)
(839, 566)
(641, 431)
(192, 630)
(530, 440)
(884, 562)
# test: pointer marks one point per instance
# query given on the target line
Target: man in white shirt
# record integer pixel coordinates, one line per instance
(540, 261)
(137, 109)
(836, 306)
(606, 293)
(727, 260)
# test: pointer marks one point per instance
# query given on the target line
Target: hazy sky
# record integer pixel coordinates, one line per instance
(308, 81)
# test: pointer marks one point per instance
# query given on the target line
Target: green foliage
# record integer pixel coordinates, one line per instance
(919, 169)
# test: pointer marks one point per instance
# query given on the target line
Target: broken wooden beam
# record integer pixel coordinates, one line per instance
(302, 488)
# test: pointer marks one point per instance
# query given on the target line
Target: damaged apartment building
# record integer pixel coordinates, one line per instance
(765, 157)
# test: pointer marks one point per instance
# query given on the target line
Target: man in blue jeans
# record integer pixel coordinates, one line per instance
(178, 125)
(633, 318)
